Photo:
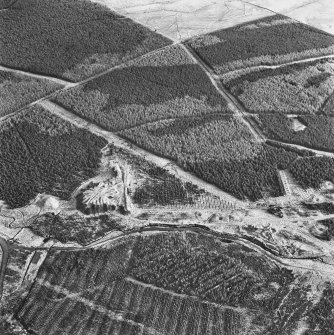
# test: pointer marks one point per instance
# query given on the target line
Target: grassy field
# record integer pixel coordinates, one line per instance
(218, 149)
(293, 89)
(170, 283)
(71, 39)
(44, 154)
(272, 40)
(161, 86)
(16, 91)
(318, 133)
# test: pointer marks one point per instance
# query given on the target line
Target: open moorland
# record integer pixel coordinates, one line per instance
(42, 153)
(293, 89)
(273, 40)
(17, 91)
(162, 86)
(70, 39)
(170, 283)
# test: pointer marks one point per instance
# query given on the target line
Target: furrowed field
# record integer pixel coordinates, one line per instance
(273, 40)
(161, 86)
(218, 149)
(16, 91)
(317, 134)
(41, 153)
(71, 39)
(292, 89)
(170, 283)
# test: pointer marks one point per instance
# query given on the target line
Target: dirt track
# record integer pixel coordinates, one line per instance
(4, 260)
(170, 166)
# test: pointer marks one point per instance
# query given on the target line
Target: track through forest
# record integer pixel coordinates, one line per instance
(59, 81)
(273, 67)
(170, 166)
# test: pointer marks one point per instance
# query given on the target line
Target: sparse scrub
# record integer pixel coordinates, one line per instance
(218, 149)
(16, 91)
(136, 95)
(74, 228)
(273, 40)
(41, 153)
(292, 89)
(72, 39)
(318, 133)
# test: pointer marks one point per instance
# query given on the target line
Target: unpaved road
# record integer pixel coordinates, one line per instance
(309, 264)
(277, 66)
(59, 81)
(4, 260)
(170, 166)
(234, 105)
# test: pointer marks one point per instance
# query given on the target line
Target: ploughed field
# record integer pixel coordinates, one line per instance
(171, 283)
(272, 40)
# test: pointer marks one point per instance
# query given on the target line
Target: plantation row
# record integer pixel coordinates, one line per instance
(90, 289)
(44, 154)
(320, 319)
(218, 149)
(91, 284)
(71, 39)
(136, 95)
(227, 277)
(292, 89)
(318, 133)
(140, 308)
(272, 40)
(16, 91)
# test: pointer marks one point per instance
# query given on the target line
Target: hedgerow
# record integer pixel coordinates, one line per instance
(72, 39)
(41, 153)
(272, 40)
(16, 91)
(292, 89)
(139, 94)
(312, 171)
(218, 149)
(318, 133)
